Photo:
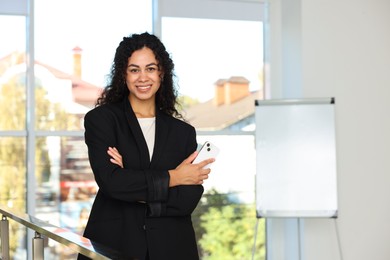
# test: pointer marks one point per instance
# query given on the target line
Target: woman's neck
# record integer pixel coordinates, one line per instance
(143, 108)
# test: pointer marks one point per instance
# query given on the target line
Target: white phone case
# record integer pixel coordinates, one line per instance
(208, 150)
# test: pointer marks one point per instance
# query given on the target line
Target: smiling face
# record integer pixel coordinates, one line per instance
(143, 76)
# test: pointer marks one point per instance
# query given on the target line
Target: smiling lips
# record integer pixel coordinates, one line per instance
(144, 88)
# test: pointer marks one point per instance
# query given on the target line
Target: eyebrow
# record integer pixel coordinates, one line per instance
(147, 65)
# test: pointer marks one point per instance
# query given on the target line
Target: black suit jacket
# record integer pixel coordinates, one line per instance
(135, 211)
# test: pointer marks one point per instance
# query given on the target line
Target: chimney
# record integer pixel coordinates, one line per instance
(77, 61)
(229, 91)
(219, 97)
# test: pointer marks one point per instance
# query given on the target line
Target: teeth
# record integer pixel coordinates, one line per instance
(144, 87)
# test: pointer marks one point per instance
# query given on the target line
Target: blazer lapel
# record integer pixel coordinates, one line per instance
(138, 135)
(162, 130)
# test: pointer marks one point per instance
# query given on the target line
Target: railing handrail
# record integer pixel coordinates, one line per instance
(64, 236)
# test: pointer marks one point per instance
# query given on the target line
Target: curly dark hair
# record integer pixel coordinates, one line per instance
(116, 90)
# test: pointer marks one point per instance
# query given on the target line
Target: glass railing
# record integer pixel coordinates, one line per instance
(73, 241)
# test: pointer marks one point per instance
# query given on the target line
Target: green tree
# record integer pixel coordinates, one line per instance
(225, 229)
(12, 149)
(230, 233)
(186, 101)
(12, 153)
(211, 199)
(49, 116)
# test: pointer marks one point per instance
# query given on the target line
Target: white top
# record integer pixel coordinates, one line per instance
(148, 127)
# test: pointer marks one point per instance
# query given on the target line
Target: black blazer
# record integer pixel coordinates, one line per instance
(135, 211)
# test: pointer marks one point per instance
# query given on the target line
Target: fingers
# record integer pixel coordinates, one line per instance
(188, 160)
(204, 175)
(114, 153)
(204, 163)
(191, 157)
(116, 156)
(203, 170)
(189, 174)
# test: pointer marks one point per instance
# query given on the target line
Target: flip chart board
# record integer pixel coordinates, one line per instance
(296, 158)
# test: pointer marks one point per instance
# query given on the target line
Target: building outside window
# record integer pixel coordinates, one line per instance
(74, 48)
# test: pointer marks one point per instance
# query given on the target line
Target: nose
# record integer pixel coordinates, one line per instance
(143, 75)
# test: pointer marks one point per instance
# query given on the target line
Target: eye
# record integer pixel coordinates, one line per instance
(134, 70)
(151, 69)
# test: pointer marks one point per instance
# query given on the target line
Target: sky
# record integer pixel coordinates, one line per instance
(207, 50)
(203, 50)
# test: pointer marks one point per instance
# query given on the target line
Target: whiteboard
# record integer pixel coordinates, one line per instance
(296, 158)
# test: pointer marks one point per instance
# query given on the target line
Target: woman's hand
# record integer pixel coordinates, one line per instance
(116, 157)
(190, 174)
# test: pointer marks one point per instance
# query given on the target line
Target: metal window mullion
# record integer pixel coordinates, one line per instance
(15, 133)
(30, 120)
(61, 133)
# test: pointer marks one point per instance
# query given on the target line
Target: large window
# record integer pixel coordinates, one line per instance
(207, 50)
(219, 66)
(13, 72)
(13, 120)
(74, 53)
(74, 44)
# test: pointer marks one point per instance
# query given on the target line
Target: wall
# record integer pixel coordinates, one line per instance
(247, 10)
(13, 7)
(345, 53)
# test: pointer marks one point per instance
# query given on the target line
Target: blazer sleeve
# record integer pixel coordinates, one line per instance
(129, 185)
(183, 199)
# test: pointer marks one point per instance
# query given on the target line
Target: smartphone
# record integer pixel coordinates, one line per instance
(208, 150)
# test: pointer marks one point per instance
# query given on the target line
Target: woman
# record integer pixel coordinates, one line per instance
(141, 155)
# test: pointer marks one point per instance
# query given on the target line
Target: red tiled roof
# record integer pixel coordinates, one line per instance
(208, 117)
(83, 92)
